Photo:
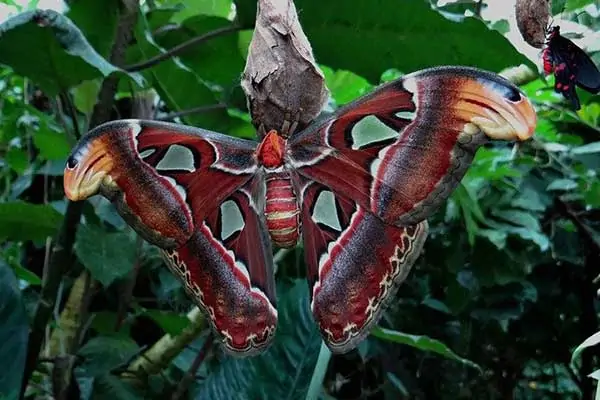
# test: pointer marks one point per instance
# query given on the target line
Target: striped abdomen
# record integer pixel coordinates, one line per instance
(281, 210)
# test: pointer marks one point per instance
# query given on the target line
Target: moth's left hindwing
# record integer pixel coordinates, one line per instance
(355, 263)
(227, 268)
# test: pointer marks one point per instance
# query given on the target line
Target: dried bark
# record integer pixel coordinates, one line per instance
(533, 17)
(284, 86)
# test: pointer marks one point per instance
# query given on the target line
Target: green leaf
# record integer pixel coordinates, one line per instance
(108, 256)
(110, 387)
(368, 38)
(52, 145)
(571, 5)
(589, 342)
(217, 60)
(85, 95)
(102, 354)
(13, 335)
(562, 184)
(191, 8)
(285, 369)
(57, 54)
(422, 343)
(345, 86)
(172, 323)
(178, 85)
(86, 14)
(25, 221)
(517, 217)
(587, 148)
(17, 159)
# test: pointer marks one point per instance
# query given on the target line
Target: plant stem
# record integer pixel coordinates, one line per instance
(195, 110)
(180, 48)
(190, 375)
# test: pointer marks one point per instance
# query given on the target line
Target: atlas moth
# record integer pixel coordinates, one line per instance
(356, 187)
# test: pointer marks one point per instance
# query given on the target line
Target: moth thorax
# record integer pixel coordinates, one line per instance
(270, 151)
(282, 211)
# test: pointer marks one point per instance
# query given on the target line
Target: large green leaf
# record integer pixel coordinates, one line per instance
(108, 256)
(178, 85)
(25, 221)
(86, 14)
(48, 48)
(14, 329)
(218, 59)
(368, 37)
(102, 354)
(420, 342)
(285, 369)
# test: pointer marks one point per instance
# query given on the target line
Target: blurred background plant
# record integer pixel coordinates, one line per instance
(505, 290)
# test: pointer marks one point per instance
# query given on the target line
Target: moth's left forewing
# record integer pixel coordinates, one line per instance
(355, 263)
(400, 151)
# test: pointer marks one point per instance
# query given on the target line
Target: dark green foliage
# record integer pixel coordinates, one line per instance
(494, 308)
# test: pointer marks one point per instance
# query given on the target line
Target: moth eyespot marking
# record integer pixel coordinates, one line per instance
(177, 157)
(147, 153)
(371, 130)
(232, 219)
(325, 211)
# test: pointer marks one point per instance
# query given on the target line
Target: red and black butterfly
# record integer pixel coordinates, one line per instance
(356, 186)
(571, 67)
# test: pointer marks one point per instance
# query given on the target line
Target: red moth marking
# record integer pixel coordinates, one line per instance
(282, 211)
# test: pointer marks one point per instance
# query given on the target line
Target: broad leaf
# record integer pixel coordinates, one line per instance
(285, 369)
(421, 342)
(108, 256)
(407, 35)
(48, 48)
(13, 334)
(25, 221)
(86, 14)
(102, 354)
(178, 86)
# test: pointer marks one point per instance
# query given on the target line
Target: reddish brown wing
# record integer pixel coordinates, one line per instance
(400, 151)
(355, 263)
(227, 268)
(163, 178)
(200, 197)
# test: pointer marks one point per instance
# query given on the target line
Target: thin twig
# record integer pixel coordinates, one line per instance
(180, 48)
(190, 375)
(127, 292)
(190, 111)
(66, 101)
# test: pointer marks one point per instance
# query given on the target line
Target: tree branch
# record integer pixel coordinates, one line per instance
(180, 48)
(195, 110)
